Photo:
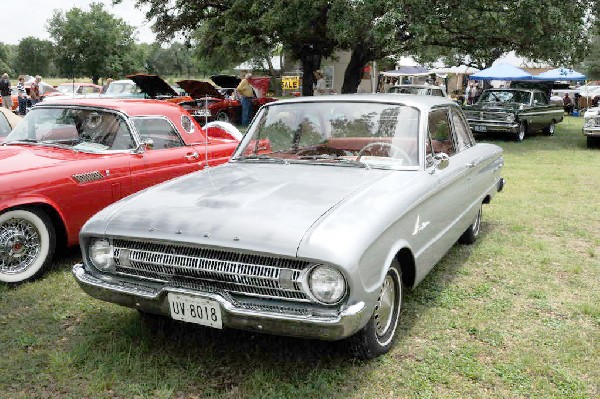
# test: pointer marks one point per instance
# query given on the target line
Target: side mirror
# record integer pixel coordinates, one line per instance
(146, 144)
(441, 160)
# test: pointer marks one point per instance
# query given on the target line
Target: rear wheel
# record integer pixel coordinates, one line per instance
(549, 130)
(470, 235)
(379, 334)
(27, 244)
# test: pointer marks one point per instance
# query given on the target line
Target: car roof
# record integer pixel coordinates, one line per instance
(131, 107)
(412, 100)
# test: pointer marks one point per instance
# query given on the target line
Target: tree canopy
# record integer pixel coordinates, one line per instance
(91, 43)
(34, 56)
(477, 31)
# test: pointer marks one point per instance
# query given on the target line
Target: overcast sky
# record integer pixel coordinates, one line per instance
(23, 18)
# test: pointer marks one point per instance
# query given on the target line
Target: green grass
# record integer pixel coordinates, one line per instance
(517, 315)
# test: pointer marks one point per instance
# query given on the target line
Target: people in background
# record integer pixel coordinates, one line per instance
(320, 84)
(246, 94)
(34, 91)
(22, 95)
(5, 91)
(106, 84)
(568, 104)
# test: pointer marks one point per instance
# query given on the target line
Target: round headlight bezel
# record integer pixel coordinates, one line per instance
(510, 118)
(312, 291)
(101, 254)
(589, 122)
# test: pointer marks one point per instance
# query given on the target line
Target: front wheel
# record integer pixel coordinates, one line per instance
(27, 244)
(521, 133)
(379, 334)
(470, 235)
(222, 117)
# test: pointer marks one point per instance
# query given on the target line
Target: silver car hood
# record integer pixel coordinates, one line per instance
(247, 206)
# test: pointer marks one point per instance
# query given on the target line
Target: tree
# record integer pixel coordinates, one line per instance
(5, 59)
(480, 31)
(92, 43)
(34, 56)
(476, 30)
(591, 63)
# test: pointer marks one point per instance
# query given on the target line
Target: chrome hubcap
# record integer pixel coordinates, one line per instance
(19, 245)
(384, 310)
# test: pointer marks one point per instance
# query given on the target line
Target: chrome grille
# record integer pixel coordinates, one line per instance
(210, 270)
(486, 116)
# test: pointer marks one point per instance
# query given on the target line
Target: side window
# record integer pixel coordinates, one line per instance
(464, 139)
(439, 133)
(159, 130)
(540, 99)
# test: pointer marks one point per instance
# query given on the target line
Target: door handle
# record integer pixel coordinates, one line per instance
(192, 156)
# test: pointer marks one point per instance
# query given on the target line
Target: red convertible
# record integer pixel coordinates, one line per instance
(68, 159)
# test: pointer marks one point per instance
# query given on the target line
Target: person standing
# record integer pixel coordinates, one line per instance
(34, 91)
(321, 85)
(5, 91)
(105, 87)
(22, 95)
(246, 94)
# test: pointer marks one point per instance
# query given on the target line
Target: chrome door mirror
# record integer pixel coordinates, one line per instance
(146, 144)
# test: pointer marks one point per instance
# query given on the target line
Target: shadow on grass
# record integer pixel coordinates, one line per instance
(116, 344)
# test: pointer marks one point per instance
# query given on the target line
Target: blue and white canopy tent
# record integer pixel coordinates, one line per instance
(502, 72)
(560, 74)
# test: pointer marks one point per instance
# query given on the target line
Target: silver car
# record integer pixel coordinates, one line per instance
(330, 208)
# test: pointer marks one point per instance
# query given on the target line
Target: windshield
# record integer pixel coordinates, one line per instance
(500, 96)
(421, 91)
(78, 129)
(370, 135)
(67, 88)
(123, 88)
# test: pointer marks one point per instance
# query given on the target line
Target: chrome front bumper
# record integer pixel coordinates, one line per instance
(494, 127)
(591, 131)
(331, 327)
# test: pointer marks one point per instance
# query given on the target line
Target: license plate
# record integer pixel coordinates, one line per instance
(480, 128)
(195, 310)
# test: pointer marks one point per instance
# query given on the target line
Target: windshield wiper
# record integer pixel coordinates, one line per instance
(325, 157)
(261, 158)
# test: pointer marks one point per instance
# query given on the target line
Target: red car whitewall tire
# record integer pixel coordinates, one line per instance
(27, 243)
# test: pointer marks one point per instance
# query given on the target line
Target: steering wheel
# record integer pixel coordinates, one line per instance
(368, 147)
(320, 150)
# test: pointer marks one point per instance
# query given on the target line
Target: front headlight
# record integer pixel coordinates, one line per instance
(510, 118)
(589, 122)
(326, 284)
(101, 254)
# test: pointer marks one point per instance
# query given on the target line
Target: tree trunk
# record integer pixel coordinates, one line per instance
(311, 61)
(354, 71)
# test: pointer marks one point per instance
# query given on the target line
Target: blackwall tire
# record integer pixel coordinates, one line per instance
(549, 130)
(522, 132)
(470, 235)
(379, 334)
(27, 244)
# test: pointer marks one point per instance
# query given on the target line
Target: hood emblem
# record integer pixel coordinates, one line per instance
(420, 226)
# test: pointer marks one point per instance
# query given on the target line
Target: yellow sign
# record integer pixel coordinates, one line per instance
(290, 82)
